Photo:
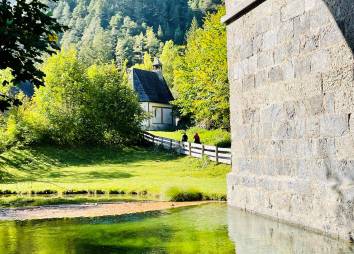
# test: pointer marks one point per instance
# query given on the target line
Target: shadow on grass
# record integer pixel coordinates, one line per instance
(37, 161)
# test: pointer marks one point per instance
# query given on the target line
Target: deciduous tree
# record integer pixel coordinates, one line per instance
(26, 33)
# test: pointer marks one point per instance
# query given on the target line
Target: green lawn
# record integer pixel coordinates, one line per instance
(218, 137)
(103, 170)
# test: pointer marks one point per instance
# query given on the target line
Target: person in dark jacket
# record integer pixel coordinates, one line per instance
(184, 137)
(197, 139)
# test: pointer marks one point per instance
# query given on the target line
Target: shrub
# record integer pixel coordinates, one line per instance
(179, 195)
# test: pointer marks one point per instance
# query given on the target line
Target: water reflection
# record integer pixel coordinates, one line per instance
(258, 235)
(212, 228)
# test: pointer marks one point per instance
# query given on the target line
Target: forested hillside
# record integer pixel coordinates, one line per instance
(105, 30)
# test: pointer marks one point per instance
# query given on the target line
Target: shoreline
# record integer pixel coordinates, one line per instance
(89, 210)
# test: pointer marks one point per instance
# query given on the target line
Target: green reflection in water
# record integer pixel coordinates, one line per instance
(200, 229)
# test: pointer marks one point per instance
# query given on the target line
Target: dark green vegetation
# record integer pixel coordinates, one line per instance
(105, 30)
(190, 230)
(48, 174)
(26, 33)
(217, 137)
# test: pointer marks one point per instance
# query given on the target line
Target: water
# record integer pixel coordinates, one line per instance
(212, 228)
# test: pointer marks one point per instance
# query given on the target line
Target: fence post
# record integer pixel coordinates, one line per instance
(202, 150)
(217, 154)
(170, 144)
(189, 149)
(153, 140)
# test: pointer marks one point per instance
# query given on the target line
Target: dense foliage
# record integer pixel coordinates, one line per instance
(200, 75)
(26, 33)
(106, 30)
(78, 105)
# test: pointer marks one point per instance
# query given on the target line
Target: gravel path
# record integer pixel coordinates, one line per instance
(88, 210)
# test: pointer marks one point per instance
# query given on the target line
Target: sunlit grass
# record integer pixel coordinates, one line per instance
(141, 172)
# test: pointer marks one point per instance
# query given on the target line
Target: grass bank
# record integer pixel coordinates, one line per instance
(50, 175)
(218, 137)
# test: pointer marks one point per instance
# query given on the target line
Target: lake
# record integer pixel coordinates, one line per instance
(210, 228)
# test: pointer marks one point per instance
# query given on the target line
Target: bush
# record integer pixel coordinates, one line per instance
(178, 195)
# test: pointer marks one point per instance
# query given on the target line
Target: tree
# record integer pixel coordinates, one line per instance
(160, 33)
(168, 59)
(26, 33)
(152, 42)
(146, 64)
(139, 46)
(192, 29)
(82, 105)
(201, 75)
(97, 47)
(124, 50)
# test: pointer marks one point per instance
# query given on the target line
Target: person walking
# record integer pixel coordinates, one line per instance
(197, 139)
(184, 137)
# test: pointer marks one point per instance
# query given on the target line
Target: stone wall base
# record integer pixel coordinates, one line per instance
(317, 206)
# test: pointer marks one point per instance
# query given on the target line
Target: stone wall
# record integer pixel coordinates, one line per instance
(291, 71)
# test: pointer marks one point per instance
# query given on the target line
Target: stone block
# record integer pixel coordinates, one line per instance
(261, 78)
(293, 9)
(319, 16)
(300, 128)
(301, 25)
(288, 70)
(276, 74)
(286, 32)
(314, 105)
(289, 149)
(313, 127)
(250, 115)
(273, 113)
(311, 86)
(325, 148)
(309, 5)
(328, 103)
(344, 101)
(284, 130)
(302, 66)
(280, 54)
(309, 43)
(330, 35)
(246, 50)
(265, 59)
(248, 83)
(263, 24)
(333, 125)
(269, 40)
(320, 61)
(345, 147)
(266, 130)
(257, 43)
(341, 172)
(306, 148)
(252, 64)
(338, 79)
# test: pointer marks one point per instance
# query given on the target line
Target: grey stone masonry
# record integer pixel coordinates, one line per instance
(291, 72)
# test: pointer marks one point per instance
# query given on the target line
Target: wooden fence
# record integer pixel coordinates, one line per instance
(214, 153)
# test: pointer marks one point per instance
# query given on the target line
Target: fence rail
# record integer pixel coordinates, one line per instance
(214, 153)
